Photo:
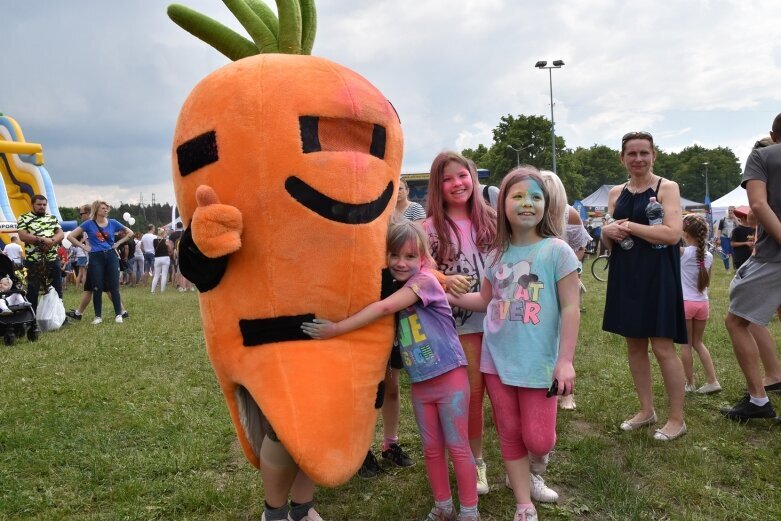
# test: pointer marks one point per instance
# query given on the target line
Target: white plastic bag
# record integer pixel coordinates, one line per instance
(51, 311)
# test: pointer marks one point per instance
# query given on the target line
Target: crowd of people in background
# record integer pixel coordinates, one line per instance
(100, 255)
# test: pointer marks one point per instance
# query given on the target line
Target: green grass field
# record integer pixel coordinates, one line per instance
(127, 422)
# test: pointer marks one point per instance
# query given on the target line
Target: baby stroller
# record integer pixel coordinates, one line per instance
(17, 317)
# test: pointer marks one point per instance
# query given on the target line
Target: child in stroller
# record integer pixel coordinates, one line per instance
(17, 317)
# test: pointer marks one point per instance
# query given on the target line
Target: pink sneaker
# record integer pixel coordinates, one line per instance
(437, 514)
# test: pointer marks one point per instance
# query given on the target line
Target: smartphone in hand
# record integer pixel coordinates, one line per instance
(554, 388)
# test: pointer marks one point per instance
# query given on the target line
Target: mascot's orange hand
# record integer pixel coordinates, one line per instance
(216, 227)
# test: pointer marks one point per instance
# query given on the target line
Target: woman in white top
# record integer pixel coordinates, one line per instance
(696, 263)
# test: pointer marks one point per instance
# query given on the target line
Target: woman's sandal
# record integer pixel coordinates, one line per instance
(629, 425)
(661, 436)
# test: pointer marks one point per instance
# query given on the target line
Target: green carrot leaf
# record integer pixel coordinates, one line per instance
(212, 32)
(308, 25)
(266, 14)
(263, 36)
(289, 26)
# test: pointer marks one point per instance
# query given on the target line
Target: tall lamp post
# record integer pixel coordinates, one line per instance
(707, 200)
(557, 64)
(518, 151)
(517, 154)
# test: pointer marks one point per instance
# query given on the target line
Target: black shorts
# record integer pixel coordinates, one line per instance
(88, 282)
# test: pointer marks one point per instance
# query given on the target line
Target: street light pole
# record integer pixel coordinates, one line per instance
(517, 154)
(708, 209)
(557, 64)
(707, 192)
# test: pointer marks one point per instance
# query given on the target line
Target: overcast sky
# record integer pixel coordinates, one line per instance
(99, 83)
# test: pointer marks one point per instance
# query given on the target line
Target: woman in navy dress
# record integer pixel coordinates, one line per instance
(644, 300)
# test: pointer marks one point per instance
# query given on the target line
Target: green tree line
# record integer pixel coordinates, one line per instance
(584, 170)
(157, 214)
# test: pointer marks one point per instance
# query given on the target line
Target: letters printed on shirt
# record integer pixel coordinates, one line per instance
(415, 348)
(520, 291)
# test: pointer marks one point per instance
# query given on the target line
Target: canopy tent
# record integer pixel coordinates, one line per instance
(599, 199)
(737, 197)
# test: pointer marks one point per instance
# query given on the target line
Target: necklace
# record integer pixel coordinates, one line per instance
(645, 187)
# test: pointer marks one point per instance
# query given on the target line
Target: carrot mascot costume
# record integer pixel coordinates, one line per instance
(286, 168)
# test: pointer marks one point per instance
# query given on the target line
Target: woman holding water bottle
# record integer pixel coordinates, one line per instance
(644, 300)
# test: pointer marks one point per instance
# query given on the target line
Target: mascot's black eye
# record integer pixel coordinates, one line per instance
(197, 152)
(321, 134)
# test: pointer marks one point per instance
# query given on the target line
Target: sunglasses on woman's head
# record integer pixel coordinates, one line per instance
(637, 135)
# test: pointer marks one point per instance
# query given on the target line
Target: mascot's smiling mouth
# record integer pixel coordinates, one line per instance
(334, 210)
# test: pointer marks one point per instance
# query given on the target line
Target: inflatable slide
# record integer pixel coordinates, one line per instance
(21, 164)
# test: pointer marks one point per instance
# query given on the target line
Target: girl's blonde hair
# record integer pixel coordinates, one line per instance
(403, 232)
(558, 202)
(95, 207)
(696, 227)
(545, 228)
(481, 215)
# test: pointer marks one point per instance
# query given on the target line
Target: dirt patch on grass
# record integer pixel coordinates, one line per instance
(582, 428)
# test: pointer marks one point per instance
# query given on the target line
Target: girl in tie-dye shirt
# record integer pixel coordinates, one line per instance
(530, 293)
(435, 362)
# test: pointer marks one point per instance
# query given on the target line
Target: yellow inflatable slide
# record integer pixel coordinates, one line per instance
(21, 164)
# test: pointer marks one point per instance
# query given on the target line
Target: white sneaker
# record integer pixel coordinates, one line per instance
(690, 388)
(540, 492)
(528, 514)
(482, 479)
(118, 320)
(567, 403)
(715, 387)
(97, 320)
(538, 464)
(312, 515)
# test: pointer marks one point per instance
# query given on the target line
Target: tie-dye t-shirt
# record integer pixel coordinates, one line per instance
(469, 262)
(426, 332)
(521, 329)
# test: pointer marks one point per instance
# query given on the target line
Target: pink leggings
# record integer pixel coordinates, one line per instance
(525, 419)
(472, 343)
(440, 406)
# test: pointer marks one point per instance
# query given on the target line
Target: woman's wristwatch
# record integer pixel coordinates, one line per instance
(609, 219)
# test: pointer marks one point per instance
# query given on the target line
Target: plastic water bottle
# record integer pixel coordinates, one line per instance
(655, 213)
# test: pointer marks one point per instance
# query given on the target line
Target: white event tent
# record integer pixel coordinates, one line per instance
(737, 197)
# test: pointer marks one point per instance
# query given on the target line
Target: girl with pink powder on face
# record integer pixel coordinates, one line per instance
(435, 362)
(461, 226)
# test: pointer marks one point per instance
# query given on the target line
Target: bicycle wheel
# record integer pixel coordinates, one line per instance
(600, 267)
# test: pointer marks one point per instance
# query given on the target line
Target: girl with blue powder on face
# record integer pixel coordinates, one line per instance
(530, 292)
(435, 362)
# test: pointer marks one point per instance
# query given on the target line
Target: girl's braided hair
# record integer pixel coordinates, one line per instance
(696, 227)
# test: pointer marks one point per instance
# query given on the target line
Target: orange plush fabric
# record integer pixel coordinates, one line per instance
(304, 232)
